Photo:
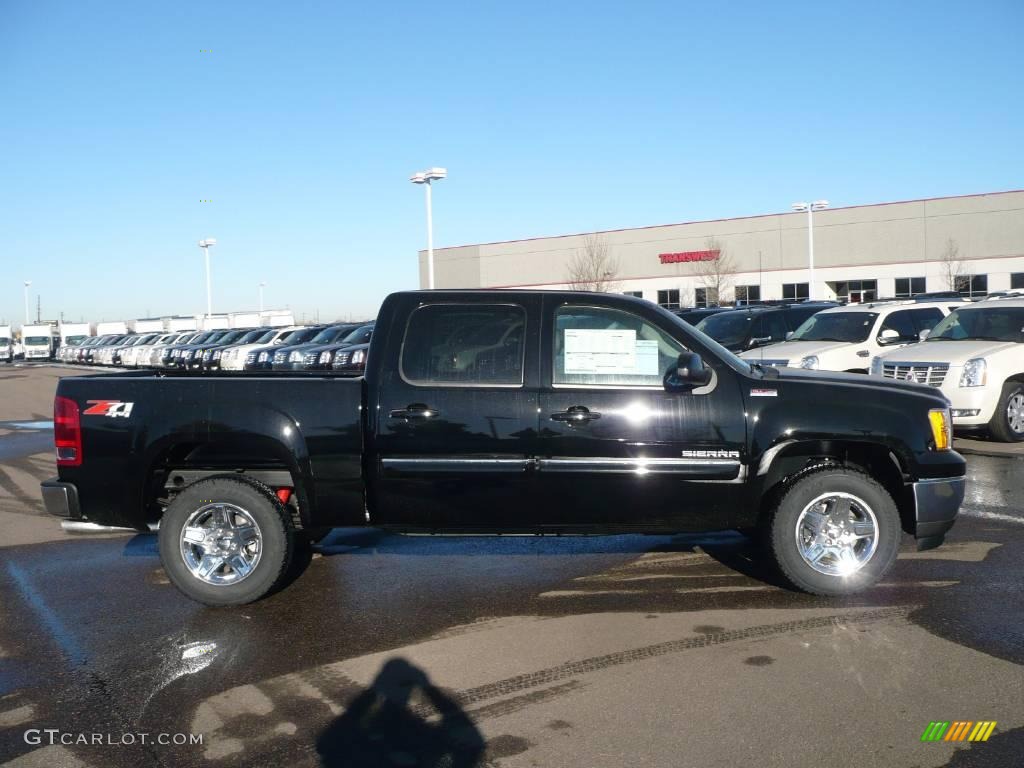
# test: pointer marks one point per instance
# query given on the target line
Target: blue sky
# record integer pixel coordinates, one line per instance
(306, 119)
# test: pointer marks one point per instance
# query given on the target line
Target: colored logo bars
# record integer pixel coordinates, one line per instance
(959, 730)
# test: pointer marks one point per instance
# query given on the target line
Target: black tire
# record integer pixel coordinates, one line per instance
(275, 528)
(782, 533)
(1000, 426)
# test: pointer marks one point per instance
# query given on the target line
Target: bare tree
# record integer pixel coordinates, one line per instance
(593, 268)
(715, 274)
(951, 265)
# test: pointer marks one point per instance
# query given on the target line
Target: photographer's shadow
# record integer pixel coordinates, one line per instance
(387, 725)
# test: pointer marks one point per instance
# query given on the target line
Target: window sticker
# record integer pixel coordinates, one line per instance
(601, 351)
(646, 357)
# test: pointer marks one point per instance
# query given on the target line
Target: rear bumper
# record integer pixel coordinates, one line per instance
(936, 502)
(60, 499)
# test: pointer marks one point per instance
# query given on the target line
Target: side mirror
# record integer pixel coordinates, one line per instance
(924, 334)
(789, 335)
(888, 336)
(690, 373)
(759, 341)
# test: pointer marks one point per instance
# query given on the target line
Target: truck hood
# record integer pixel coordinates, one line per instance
(792, 351)
(859, 381)
(952, 352)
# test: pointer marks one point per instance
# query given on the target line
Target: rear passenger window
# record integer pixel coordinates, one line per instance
(609, 347)
(775, 326)
(464, 345)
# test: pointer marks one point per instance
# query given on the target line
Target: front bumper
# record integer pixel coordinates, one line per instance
(936, 502)
(980, 402)
(60, 499)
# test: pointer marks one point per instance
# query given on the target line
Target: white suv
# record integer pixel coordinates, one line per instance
(846, 338)
(976, 358)
(233, 358)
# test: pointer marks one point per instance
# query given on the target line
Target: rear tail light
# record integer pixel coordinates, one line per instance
(67, 432)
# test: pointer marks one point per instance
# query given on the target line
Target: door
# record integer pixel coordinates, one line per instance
(457, 420)
(616, 449)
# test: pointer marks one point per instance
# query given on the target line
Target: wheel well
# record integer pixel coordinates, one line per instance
(186, 463)
(876, 460)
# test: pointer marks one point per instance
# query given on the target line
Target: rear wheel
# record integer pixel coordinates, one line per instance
(226, 540)
(1007, 424)
(835, 531)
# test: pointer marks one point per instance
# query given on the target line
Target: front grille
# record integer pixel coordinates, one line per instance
(342, 358)
(775, 363)
(250, 358)
(310, 358)
(932, 374)
(280, 357)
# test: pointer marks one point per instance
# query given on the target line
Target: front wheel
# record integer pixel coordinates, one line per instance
(835, 531)
(1007, 424)
(226, 540)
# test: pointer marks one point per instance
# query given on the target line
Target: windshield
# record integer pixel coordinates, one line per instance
(301, 335)
(266, 336)
(251, 336)
(74, 341)
(328, 335)
(850, 327)
(358, 336)
(728, 328)
(987, 324)
(37, 340)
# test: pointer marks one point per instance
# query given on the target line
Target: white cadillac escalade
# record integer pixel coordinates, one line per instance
(975, 356)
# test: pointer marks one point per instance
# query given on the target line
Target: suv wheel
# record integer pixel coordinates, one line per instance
(226, 540)
(1007, 424)
(835, 531)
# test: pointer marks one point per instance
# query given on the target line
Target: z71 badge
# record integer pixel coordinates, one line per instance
(112, 408)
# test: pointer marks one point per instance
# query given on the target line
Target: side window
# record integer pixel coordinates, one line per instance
(775, 326)
(464, 345)
(609, 347)
(903, 323)
(926, 319)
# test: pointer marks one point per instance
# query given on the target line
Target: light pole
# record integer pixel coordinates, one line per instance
(425, 177)
(817, 205)
(205, 245)
(27, 318)
(262, 286)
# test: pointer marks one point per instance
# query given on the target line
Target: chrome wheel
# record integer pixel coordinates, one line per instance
(836, 534)
(221, 544)
(1015, 412)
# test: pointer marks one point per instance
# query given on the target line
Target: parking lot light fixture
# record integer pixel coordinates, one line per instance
(262, 286)
(205, 245)
(27, 318)
(817, 205)
(425, 178)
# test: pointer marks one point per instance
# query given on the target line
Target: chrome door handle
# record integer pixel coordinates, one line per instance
(414, 411)
(577, 414)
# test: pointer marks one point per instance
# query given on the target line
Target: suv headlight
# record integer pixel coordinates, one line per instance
(810, 362)
(942, 431)
(876, 366)
(325, 357)
(975, 373)
(358, 357)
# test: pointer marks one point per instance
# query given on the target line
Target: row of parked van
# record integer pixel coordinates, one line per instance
(972, 351)
(339, 347)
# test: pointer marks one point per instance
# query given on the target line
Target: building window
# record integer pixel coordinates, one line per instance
(669, 299)
(795, 291)
(634, 294)
(906, 287)
(856, 291)
(1017, 280)
(971, 286)
(747, 294)
(705, 297)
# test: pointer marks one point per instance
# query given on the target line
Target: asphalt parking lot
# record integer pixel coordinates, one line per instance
(408, 651)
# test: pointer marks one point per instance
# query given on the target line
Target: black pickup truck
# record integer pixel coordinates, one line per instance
(509, 411)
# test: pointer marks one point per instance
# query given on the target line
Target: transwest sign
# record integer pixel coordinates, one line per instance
(683, 256)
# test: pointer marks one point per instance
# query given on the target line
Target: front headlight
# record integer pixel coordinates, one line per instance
(358, 357)
(325, 357)
(216, 355)
(975, 373)
(810, 362)
(295, 357)
(942, 431)
(876, 366)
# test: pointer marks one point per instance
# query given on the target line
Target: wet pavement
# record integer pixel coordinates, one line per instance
(600, 651)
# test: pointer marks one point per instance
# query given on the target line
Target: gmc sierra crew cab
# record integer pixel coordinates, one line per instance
(509, 412)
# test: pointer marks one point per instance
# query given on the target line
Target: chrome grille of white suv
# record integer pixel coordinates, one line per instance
(932, 374)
